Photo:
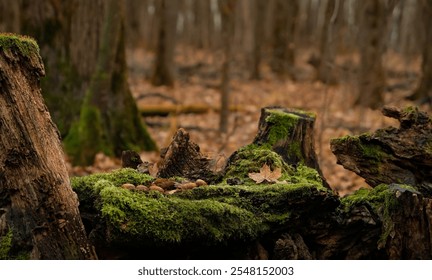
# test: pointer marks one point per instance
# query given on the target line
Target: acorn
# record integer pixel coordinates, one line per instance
(128, 186)
(186, 186)
(200, 183)
(142, 188)
(156, 188)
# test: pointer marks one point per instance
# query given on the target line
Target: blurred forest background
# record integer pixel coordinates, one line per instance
(126, 74)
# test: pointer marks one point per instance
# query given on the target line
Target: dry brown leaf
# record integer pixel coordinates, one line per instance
(266, 175)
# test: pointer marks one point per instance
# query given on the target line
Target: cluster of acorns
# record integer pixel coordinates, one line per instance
(166, 186)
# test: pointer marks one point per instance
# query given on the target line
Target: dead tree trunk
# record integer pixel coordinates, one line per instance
(392, 155)
(38, 208)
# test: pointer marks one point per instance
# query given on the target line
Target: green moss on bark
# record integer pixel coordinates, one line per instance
(26, 45)
(5, 245)
(251, 158)
(382, 200)
(210, 215)
(87, 136)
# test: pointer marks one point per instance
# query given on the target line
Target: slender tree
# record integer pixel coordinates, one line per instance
(371, 77)
(227, 8)
(257, 14)
(325, 69)
(163, 69)
(284, 22)
(423, 93)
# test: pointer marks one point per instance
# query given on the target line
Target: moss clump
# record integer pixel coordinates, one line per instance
(5, 245)
(144, 219)
(251, 158)
(25, 44)
(381, 200)
(208, 215)
(283, 124)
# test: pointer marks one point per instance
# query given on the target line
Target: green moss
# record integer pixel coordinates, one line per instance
(363, 145)
(382, 200)
(5, 245)
(282, 124)
(87, 137)
(25, 44)
(135, 216)
(209, 215)
(251, 158)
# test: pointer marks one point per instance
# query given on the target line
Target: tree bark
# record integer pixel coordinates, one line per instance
(390, 155)
(326, 67)
(109, 121)
(227, 8)
(183, 158)
(163, 71)
(50, 24)
(285, 18)
(290, 134)
(258, 35)
(423, 93)
(371, 79)
(37, 204)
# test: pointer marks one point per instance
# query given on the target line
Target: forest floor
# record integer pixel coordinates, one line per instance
(198, 77)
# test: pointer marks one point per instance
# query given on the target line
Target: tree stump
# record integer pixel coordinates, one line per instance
(289, 132)
(38, 209)
(392, 155)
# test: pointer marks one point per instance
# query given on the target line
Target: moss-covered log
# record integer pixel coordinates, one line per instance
(39, 217)
(291, 215)
(212, 222)
(392, 155)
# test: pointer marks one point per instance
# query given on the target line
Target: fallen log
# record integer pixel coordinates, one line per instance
(149, 110)
(270, 203)
(392, 155)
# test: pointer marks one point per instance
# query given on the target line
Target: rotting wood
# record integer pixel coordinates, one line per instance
(37, 205)
(392, 155)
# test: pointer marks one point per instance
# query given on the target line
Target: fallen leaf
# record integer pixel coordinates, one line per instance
(266, 175)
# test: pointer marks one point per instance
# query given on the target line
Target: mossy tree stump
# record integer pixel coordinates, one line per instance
(38, 210)
(290, 134)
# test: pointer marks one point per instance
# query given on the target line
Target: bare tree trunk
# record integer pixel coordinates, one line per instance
(258, 35)
(9, 16)
(371, 79)
(49, 22)
(163, 71)
(423, 93)
(285, 17)
(109, 121)
(326, 72)
(37, 204)
(227, 8)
